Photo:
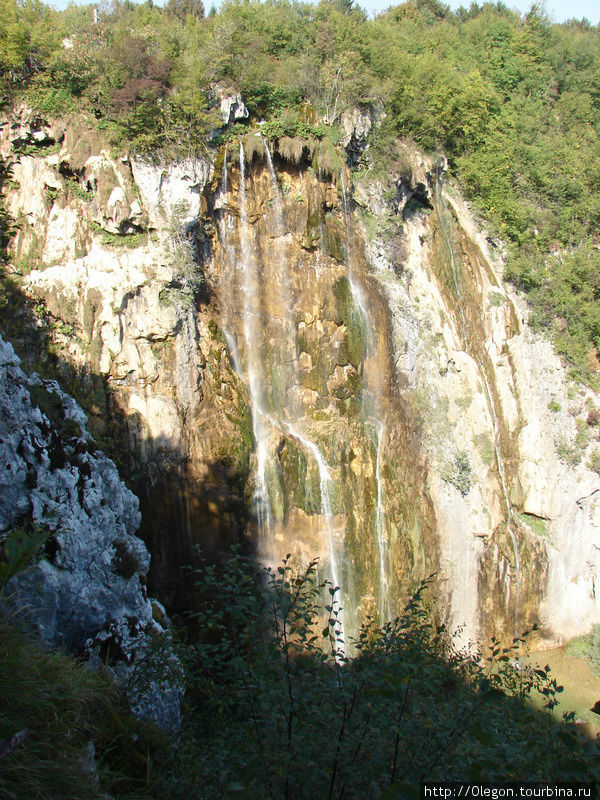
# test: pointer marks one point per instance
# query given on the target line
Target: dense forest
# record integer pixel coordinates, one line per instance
(512, 101)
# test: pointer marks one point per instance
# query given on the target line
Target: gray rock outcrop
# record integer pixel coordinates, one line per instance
(230, 102)
(86, 594)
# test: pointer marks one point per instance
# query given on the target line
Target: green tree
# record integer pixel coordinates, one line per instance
(14, 48)
(14, 38)
(186, 8)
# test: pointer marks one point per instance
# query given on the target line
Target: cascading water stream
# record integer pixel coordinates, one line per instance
(325, 485)
(384, 609)
(372, 403)
(233, 351)
(344, 197)
(288, 356)
(268, 418)
(441, 205)
(325, 481)
(251, 315)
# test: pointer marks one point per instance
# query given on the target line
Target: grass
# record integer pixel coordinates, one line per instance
(54, 700)
(80, 740)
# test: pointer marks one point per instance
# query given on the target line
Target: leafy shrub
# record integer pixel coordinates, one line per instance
(276, 707)
(292, 127)
(568, 452)
(460, 475)
(593, 418)
(18, 548)
(267, 98)
(594, 462)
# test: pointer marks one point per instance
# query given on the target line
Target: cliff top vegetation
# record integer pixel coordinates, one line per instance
(512, 100)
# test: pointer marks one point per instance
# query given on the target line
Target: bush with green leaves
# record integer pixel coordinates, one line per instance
(19, 547)
(460, 475)
(594, 462)
(277, 708)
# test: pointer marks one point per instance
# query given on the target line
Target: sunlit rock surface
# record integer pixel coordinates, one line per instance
(279, 352)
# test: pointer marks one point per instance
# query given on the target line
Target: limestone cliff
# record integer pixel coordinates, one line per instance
(116, 315)
(319, 368)
(506, 436)
(87, 593)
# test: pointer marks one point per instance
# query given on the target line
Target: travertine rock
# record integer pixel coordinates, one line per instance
(230, 102)
(393, 353)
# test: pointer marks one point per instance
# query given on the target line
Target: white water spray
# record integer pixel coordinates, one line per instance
(250, 314)
(325, 485)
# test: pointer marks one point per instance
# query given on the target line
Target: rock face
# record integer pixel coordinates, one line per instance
(309, 335)
(87, 593)
(275, 355)
(514, 502)
(356, 125)
(124, 317)
(230, 103)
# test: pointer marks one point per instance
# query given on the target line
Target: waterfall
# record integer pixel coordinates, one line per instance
(441, 206)
(383, 606)
(344, 197)
(233, 351)
(251, 315)
(325, 481)
(325, 484)
(272, 415)
(277, 198)
(372, 403)
(288, 355)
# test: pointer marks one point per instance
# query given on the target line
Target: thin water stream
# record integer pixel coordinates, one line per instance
(325, 486)
(251, 320)
(373, 415)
